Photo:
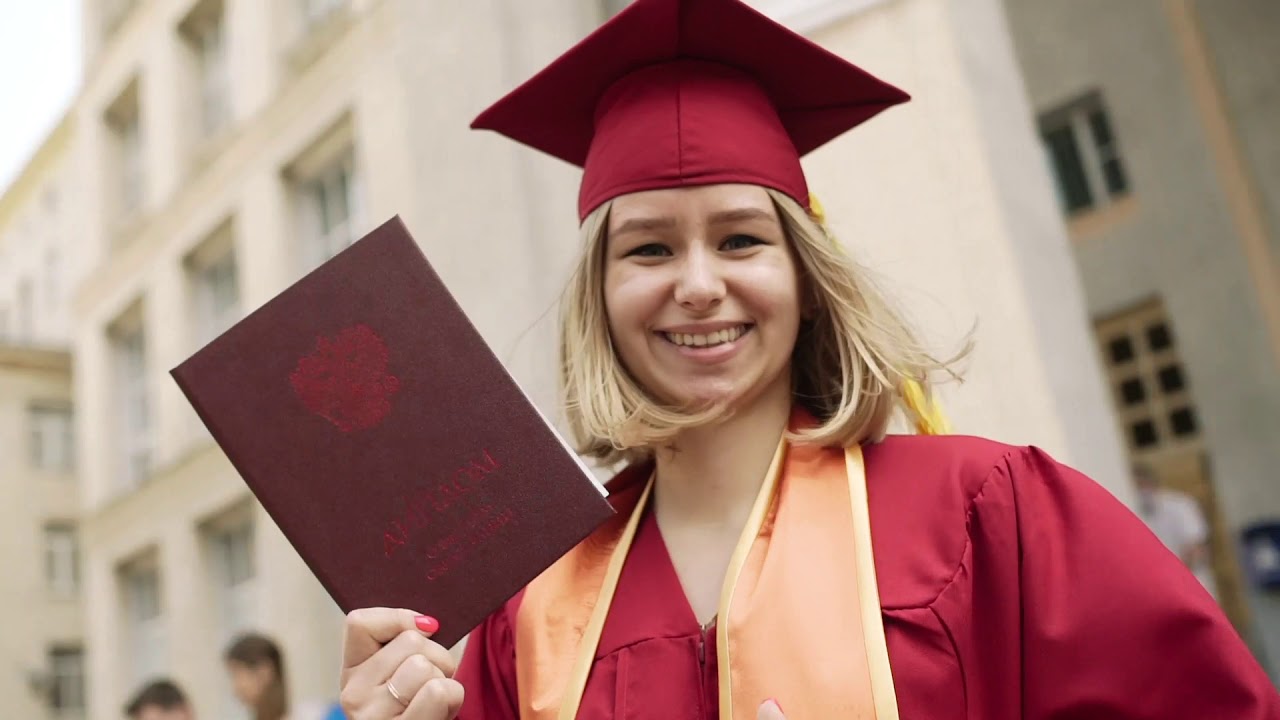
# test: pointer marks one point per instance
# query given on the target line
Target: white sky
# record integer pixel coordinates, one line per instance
(39, 75)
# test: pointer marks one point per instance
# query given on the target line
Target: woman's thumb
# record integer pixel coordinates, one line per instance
(770, 710)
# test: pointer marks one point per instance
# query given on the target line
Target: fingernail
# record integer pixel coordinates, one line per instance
(426, 623)
(775, 702)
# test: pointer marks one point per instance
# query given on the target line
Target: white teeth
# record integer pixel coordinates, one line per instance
(711, 339)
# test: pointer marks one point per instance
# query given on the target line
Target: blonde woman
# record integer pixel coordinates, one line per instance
(775, 552)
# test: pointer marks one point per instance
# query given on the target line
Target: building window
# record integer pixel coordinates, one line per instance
(62, 559)
(215, 285)
(1083, 154)
(229, 546)
(1151, 392)
(132, 401)
(328, 201)
(232, 568)
(52, 437)
(123, 120)
(316, 12)
(204, 32)
(144, 621)
(66, 687)
(232, 553)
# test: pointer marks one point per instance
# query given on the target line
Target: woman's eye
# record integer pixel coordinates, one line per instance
(649, 250)
(739, 242)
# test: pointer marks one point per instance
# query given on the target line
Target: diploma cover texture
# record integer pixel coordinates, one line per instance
(388, 443)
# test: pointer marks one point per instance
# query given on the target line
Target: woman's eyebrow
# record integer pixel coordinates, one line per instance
(739, 215)
(639, 224)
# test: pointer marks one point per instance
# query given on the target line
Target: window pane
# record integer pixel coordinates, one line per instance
(1113, 171)
(1068, 167)
(1104, 140)
(61, 560)
(66, 666)
(1120, 350)
(219, 297)
(1100, 126)
(1143, 433)
(51, 438)
(143, 595)
(1183, 421)
(1171, 379)
(342, 193)
(134, 433)
(1159, 337)
(233, 553)
(1133, 391)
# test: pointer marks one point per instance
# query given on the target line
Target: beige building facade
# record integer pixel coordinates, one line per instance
(230, 147)
(1158, 120)
(42, 643)
(42, 640)
(225, 147)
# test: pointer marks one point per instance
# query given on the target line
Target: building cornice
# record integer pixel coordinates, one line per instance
(26, 357)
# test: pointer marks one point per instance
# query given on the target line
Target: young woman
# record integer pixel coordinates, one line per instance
(256, 667)
(255, 664)
(775, 553)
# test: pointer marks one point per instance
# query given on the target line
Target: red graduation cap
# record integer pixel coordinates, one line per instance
(671, 93)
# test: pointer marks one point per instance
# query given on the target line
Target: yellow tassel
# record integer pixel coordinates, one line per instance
(929, 419)
(817, 211)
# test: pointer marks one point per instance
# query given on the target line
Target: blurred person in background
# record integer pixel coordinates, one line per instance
(1176, 518)
(256, 666)
(159, 700)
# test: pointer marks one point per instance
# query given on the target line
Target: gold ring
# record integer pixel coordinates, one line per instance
(392, 689)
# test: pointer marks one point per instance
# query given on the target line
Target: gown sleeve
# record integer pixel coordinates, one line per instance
(1113, 624)
(487, 671)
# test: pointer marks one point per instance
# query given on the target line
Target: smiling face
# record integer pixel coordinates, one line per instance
(702, 294)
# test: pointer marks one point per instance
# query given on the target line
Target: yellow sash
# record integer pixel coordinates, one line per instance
(799, 611)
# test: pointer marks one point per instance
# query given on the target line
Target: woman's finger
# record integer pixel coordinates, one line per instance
(378, 668)
(366, 630)
(393, 697)
(439, 699)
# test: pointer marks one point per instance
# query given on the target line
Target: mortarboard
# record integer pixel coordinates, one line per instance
(670, 93)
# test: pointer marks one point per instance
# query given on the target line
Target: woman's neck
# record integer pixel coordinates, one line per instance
(712, 474)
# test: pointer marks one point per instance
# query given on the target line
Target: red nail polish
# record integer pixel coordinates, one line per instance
(426, 623)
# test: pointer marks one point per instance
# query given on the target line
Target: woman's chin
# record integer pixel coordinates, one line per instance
(703, 398)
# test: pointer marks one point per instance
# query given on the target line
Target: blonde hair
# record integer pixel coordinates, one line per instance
(854, 358)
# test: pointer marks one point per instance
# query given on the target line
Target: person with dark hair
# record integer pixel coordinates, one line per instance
(258, 678)
(256, 665)
(159, 700)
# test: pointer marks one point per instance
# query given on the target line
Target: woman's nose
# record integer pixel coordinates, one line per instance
(699, 285)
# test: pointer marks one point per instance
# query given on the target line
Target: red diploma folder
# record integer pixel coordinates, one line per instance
(381, 434)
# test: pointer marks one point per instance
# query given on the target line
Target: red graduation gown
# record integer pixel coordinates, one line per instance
(1011, 587)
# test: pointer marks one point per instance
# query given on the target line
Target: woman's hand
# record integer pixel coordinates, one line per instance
(391, 669)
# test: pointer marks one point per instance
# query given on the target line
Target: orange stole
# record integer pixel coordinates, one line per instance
(803, 612)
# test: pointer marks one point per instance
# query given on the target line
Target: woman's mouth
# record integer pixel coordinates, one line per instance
(698, 340)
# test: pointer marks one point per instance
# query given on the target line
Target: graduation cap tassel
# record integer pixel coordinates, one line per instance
(817, 211)
(929, 419)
